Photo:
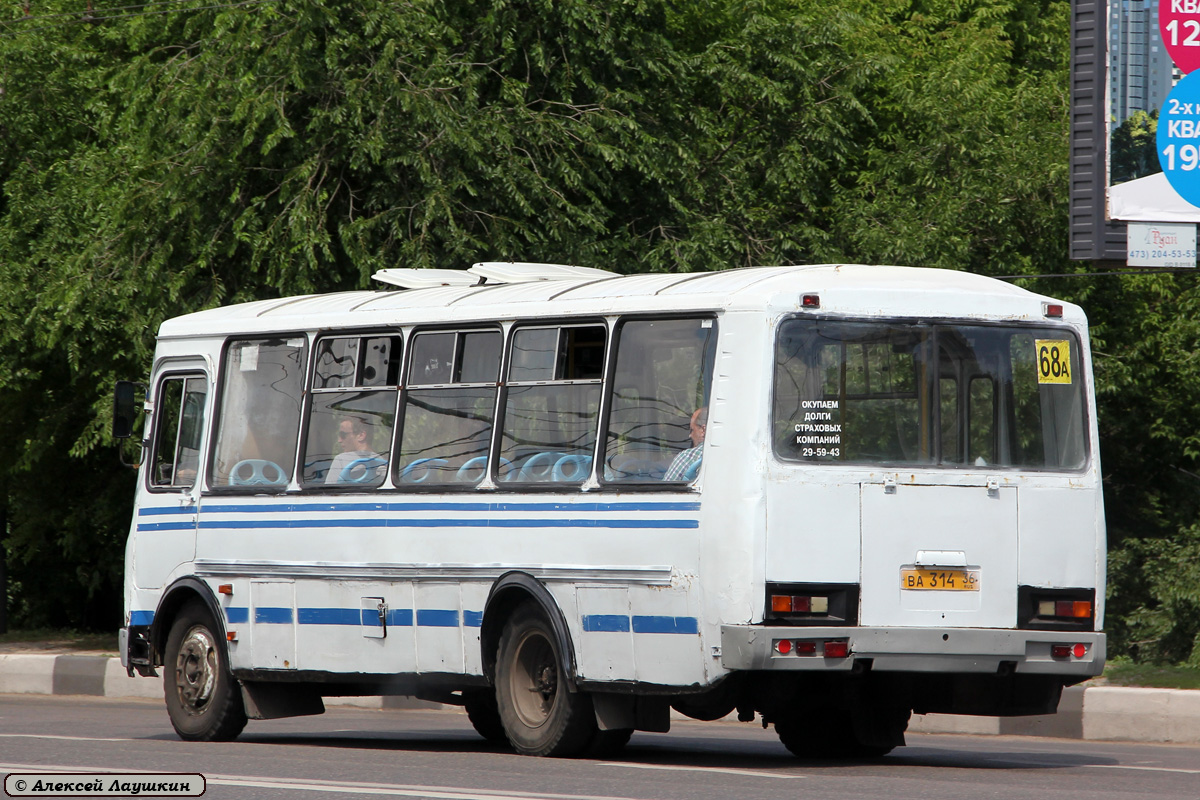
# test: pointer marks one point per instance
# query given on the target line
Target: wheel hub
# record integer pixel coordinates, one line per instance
(196, 670)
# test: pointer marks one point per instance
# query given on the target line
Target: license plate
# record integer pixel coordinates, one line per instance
(941, 580)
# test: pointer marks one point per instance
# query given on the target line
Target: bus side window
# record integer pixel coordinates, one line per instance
(262, 384)
(663, 376)
(449, 401)
(353, 410)
(553, 402)
(179, 427)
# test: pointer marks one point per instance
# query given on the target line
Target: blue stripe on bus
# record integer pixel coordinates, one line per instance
(273, 615)
(606, 623)
(141, 617)
(666, 625)
(437, 618)
(167, 526)
(213, 524)
(298, 508)
(164, 510)
(328, 616)
(400, 617)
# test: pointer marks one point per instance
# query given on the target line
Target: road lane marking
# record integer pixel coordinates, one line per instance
(1145, 769)
(724, 770)
(60, 738)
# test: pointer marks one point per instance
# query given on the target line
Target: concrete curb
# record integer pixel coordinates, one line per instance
(1095, 712)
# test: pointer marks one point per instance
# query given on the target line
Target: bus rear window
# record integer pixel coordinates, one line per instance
(942, 395)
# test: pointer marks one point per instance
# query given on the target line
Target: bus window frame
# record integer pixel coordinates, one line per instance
(934, 323)
(503, 327)
(184, 373)
(657, 485)
(218, 407)
(513, 327)
(311, 392)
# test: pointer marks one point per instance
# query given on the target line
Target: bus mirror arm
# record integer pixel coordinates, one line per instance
(125, 414)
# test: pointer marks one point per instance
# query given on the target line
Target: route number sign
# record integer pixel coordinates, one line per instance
(1053, 360)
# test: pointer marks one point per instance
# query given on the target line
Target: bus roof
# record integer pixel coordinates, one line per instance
(851, 289)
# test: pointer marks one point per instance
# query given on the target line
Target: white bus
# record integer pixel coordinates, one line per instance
(824, 496)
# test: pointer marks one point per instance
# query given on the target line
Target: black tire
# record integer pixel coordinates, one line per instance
(826, 736)
(606, 744)
(481, 708)
(204, 701)
(541, 717)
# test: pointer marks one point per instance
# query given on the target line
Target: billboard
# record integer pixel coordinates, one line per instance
(1135, 124)
(1152, 112)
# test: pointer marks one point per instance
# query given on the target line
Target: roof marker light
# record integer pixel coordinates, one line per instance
(1052, 309)
(810, 301)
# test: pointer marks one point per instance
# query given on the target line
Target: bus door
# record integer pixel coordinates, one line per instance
(167, 513)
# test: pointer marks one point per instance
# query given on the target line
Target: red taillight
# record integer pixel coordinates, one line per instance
(806, 648)
(837, 649)
(1079, 650)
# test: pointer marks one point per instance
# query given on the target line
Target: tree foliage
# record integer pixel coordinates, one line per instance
(156, 164)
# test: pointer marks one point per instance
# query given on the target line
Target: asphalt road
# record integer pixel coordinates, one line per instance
(355, 753)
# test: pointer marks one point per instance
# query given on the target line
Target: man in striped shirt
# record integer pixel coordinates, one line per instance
(683, 463)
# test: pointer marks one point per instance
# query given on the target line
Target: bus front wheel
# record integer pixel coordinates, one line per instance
(203, 699)
(541, 716)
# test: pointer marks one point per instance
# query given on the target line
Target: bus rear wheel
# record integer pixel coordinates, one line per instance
(480, 705)
(203, 699)
(541, 716)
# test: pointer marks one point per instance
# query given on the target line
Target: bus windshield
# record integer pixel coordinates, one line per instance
(950, 395)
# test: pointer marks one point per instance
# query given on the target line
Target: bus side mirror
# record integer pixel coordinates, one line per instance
(124, 409)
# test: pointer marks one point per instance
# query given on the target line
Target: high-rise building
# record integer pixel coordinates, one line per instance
(1139, 68)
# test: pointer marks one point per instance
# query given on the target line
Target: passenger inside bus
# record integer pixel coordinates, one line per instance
(685, 465)
(357, 463)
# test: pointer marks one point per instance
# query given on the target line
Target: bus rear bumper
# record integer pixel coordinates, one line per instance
(951, 650)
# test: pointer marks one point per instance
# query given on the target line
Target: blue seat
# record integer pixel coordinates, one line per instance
(572, 468)
(539, 467)
(691, 472)
(257, 472)
(472, 471)
(420, 470)
(367, 469)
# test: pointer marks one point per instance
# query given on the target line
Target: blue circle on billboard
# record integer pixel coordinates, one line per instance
(1178, 138)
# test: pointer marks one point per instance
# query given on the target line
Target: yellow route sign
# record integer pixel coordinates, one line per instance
(1053, 360)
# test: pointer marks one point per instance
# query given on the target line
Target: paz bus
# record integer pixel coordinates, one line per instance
(466, 487)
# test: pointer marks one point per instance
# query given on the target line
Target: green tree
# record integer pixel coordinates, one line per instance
(1134, 147)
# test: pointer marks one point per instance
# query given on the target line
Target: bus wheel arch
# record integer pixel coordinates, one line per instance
(508, 593)
(177, 595)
